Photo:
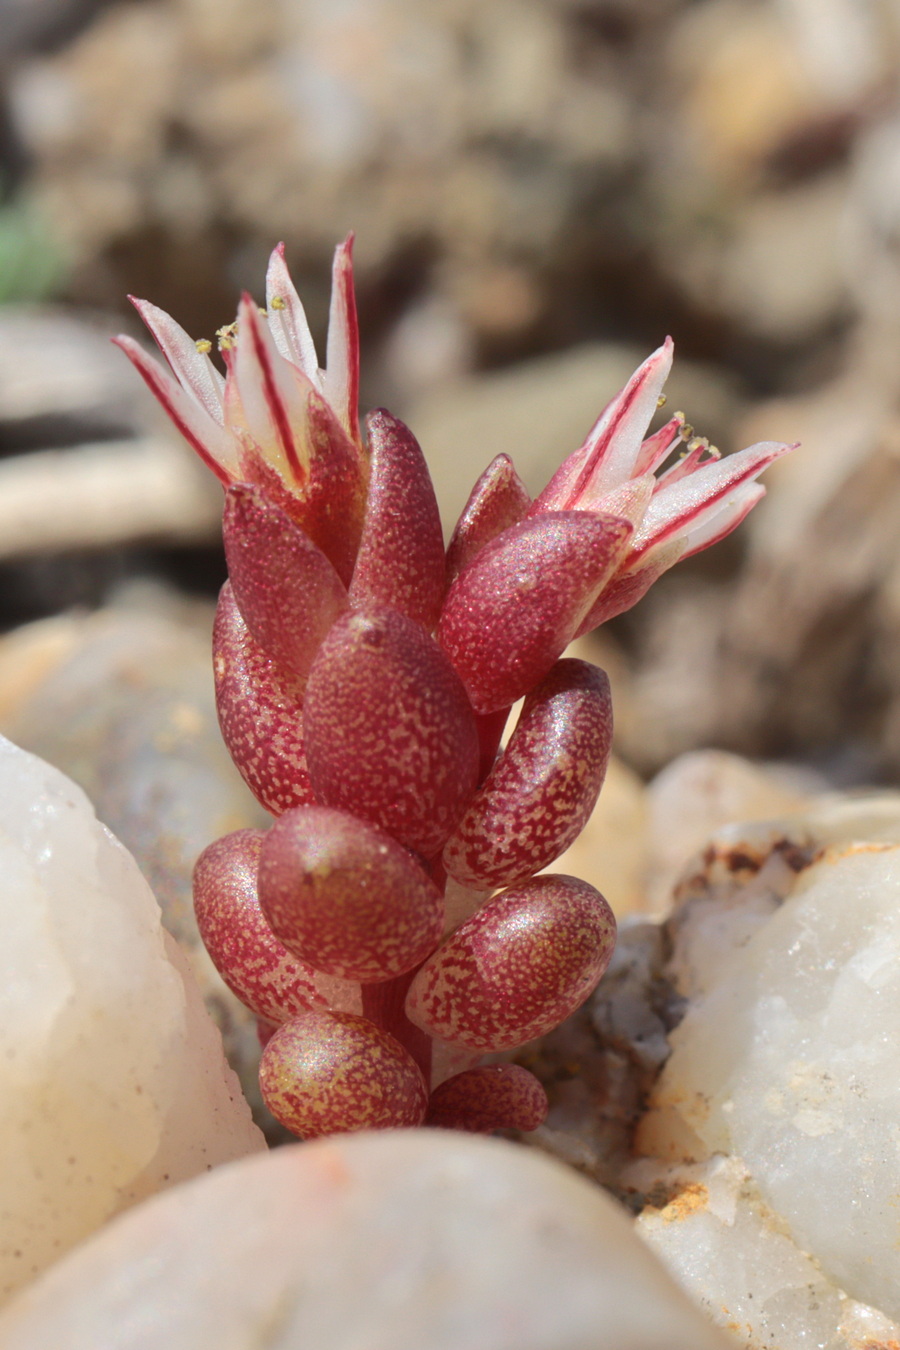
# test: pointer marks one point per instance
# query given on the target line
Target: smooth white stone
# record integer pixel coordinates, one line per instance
(406, 1240)
(786, 1059)
(112, 1079)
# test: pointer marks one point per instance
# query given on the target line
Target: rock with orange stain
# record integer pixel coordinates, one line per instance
(416, 1239)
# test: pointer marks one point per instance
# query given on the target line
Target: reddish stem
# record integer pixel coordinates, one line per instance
(383, 1004)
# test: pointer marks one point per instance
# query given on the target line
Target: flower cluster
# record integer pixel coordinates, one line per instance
(391, 927)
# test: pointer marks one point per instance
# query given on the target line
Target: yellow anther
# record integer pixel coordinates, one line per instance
(203, 345)
(278, 302)
(686, 432)
(661, 401)
(226, 336)
(699, 443)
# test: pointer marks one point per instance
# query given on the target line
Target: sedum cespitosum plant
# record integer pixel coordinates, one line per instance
(391, 928)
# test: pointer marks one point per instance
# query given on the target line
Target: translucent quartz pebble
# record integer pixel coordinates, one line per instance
(260, 712)
(787, 1055)
(732, 1254)
(347, 898)
(330, 1073)
(510, 614)
(112, 1078)
(286, 589)
(515, 969)
(389, 733)
(267, 978)
(401, 553)
(489, 1097)
(542, 788)
(417, 1240)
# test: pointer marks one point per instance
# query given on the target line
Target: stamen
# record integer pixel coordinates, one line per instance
(661, 401)
(278, 302)
(204, 346)
(227, 336)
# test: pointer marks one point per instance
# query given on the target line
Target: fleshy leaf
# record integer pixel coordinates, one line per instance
(513, 611)
(499, 499)
(266, 977)
(486, 1098)
(542, 789)
(286, 589)
(346, 897)
(401, 552)
(331, 1073)
(517, 968)
(389, 733)
(260, 713)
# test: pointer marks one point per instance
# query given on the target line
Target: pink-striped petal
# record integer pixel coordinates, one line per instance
(610, 454)
(341, 380)
(287, 318)
(193, 369)
(722, 522)
(271, 393)
(216, 446)
(690, 502)
(657, 448)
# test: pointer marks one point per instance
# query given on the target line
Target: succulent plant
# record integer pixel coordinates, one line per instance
(391, 928)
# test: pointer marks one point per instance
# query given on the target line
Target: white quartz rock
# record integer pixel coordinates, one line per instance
(405, 1240)
(736, 1259)
(788, 1055)
(112, 1079)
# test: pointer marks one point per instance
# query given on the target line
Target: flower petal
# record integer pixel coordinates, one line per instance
(341, 380)
(690, 502)
(737, 507)
(287, 318)
(657, 448)
(611, 452)
(193, 369)
(216, 447)
(273, 401)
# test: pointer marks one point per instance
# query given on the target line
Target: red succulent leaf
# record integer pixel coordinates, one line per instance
(401, 553)
(517, 968)
(488, 1097)
(537, 798)
(346, 897)
(331, 1073)
(260, 713)
(266, 977)
(514, 610)
(286, 589)
(389, 733)
(499, 499)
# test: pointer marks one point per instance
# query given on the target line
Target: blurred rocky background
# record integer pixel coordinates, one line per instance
(541, 189)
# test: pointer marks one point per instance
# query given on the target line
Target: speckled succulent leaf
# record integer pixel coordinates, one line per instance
(613, 446)
(214, 444)
(486, 1098)
(401, 552)
(389, 733)
(260, 713)
(287, 591)
(331, 1073)
(341, 379)
(517, 968)
(513, 611)
(346, 897)
(499, 499)
(259, 969)
(542, 788)
(330, 507)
